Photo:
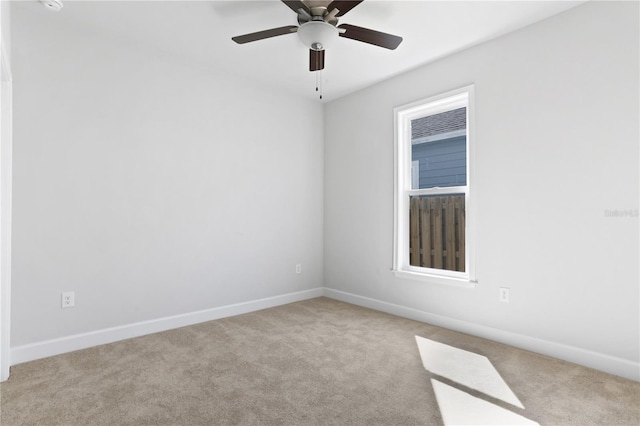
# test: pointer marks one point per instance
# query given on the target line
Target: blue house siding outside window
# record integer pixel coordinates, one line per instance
(439, 150)
(442, 163)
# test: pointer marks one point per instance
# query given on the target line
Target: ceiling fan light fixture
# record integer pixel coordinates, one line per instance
(317, 35)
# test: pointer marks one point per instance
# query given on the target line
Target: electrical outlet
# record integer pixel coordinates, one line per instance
(68, 299)
(298, 268)
(504, 294)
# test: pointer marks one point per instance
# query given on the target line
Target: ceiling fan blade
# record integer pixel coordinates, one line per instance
(316, 60)
(342, 6)
(273, 32)
(296, 5)
(366, 35)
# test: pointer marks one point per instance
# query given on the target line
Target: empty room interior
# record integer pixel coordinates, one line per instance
(319, 212)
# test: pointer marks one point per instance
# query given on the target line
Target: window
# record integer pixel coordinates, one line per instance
(433, 221)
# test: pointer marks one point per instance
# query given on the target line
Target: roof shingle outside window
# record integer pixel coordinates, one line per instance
(437, 124)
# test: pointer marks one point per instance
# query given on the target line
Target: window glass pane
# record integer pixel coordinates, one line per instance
(439, 149)
(437, 231)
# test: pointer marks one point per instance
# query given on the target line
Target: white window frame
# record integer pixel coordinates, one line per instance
(403, 115)
(415, 174)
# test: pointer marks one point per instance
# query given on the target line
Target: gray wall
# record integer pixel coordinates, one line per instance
(5, 187)
(140, 184)
(556, 137)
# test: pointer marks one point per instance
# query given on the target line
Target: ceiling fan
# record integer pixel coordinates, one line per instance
(319, 28)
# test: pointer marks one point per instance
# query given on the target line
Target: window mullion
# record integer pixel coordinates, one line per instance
(438, 191)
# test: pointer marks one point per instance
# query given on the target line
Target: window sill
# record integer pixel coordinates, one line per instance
(436, 279)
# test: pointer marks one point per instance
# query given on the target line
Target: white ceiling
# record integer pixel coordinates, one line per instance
(200, 32)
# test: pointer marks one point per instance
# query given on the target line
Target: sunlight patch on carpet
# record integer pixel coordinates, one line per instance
(473, 371)
(459, 408)
(467, 368)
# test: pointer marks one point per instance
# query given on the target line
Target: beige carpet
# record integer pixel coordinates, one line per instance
(315, 362)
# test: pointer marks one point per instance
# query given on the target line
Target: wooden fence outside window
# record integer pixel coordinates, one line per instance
(437, 232)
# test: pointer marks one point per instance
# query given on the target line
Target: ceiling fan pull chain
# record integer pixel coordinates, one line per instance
(318, 78)
(319, 82)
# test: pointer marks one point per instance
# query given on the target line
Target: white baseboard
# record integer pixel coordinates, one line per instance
(76, 342)
(602, 362)
(609, 364)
